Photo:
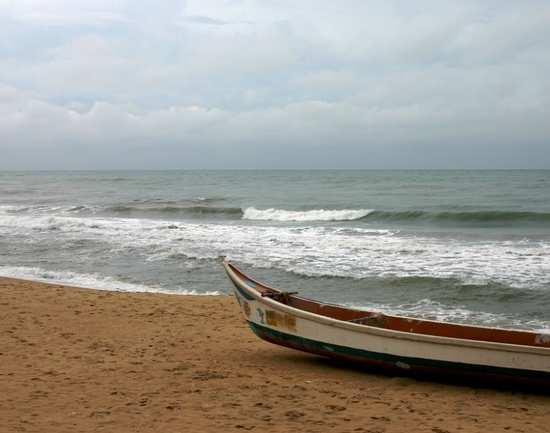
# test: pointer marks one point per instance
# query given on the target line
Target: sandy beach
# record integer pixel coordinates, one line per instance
(81, 360)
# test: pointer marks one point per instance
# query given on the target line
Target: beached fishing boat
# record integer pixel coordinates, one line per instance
(400, 344)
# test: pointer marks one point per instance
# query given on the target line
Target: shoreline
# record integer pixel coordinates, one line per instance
(131, 287)
(82, 359)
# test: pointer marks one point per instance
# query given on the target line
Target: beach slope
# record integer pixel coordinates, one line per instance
(85, 360)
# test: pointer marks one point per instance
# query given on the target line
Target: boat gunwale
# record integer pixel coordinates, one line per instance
(385, 332)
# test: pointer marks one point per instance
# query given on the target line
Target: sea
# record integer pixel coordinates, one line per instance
(454, 245)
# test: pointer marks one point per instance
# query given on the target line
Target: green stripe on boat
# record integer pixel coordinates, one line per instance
(402, 362)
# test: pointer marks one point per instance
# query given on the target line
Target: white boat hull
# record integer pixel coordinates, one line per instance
(402, 351)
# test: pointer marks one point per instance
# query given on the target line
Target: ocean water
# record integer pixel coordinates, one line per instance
(461, 246)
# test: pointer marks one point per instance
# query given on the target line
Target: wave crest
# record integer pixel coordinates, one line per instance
(272, 214)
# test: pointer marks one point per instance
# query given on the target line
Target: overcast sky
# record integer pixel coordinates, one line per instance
(281, 84)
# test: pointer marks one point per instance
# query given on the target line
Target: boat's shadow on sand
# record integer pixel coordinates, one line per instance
(334, 368)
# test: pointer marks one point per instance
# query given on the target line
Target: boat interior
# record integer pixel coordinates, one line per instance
(397, 323)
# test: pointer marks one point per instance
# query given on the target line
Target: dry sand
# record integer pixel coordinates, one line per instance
(79, 360)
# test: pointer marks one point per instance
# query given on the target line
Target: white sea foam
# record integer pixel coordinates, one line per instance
(271, 214)
(433, 310)
(93, 281)
(351, 252)
(314, 251)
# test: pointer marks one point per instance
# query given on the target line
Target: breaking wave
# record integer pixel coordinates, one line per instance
(199, 207)
(447, 218)
(271, 214)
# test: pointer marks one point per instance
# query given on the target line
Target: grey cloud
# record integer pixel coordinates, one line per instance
(350, 84)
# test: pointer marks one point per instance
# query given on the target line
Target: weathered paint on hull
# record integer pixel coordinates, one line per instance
(415, 366)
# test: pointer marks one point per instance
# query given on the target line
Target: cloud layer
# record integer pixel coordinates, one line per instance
(245, 84)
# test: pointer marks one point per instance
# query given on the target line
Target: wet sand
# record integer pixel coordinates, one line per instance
(80, 360)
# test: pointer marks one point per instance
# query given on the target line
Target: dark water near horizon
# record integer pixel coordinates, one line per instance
(465, 246)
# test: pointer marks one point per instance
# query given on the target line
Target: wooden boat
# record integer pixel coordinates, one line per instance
(399, 344)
